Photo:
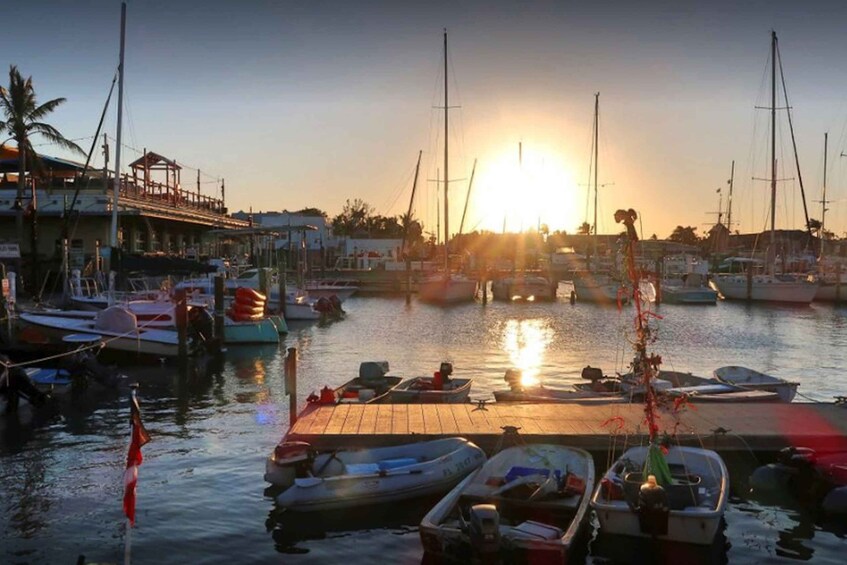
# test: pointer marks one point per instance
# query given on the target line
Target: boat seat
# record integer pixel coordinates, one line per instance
(361, 468)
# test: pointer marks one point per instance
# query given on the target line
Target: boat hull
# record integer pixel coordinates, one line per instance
(442, 534)
(449, 290)
(447, 462)
(262, 331)
(703, 295)
(407, 393)
(750, 380)
(765, 289)
(694, 524)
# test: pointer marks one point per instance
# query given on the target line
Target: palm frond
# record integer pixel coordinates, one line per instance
(45, 109)
(53, 135)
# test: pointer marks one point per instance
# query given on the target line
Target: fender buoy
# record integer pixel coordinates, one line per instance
(247, 310)
(244, 294)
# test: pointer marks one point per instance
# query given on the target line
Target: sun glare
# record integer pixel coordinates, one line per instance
(540, 189)
(526, 343)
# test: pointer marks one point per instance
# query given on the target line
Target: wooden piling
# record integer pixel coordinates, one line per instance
(838, 283)
(484, 282)
(658, 281)
(291, 383)
(182, 323)
(219, 307)
(281, 279)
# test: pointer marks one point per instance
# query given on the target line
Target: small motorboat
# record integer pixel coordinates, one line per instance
(527, 499)
(748, 379)
(351, 478)
(440, 388)
(372, 384)
(688, 509)
(601, 389)
(700, 389)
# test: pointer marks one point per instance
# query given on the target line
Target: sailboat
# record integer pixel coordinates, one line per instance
(446, 287)
(768, 286)
(832, 284)
(595, 284)
(520, 285)
(657, 491)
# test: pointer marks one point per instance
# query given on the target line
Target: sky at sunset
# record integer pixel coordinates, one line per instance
(310, 103)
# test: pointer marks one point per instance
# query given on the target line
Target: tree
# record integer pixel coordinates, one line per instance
(686, 235)
(22, 119)
(584, 229)
(353, 217)
(311, 212)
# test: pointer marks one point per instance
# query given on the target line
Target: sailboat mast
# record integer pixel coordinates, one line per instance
(446, 169)
(823, 198)
(411, 204)
(113, 239)
(467, 199)
(773, 143)
(729, 200)
(596, 156)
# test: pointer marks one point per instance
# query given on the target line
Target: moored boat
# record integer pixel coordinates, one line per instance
(440, 388)
(749, 379)
(372, 384)
(527, 499)
(351, 478)
(527, 288)
(689, 508)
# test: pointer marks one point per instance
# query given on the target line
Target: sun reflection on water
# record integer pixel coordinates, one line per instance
(526, 342)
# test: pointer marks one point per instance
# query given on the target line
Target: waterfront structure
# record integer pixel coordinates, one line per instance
(154, 214)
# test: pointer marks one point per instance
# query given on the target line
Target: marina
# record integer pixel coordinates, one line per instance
(315, 379)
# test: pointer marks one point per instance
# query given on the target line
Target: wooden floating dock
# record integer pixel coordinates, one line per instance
(724, 427)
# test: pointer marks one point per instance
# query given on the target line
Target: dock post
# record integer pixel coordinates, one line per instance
(182, 323)
(291, 384)
(408, 280)
(750, 283)
(264, 282)
(838, 283)
(219, 307)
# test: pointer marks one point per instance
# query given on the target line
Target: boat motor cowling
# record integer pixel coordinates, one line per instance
(515, 378)
(653, 509)
(484, 528)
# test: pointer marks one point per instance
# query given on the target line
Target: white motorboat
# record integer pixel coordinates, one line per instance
(530, 499)
(598, 288)
(352, 478)
(689, 509)
(118, 327)
(441, 388)
(748, 379)
(523, 288)
(447, 288)
(689, 289)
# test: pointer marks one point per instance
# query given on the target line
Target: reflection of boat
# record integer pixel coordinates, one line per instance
(440, 388)
(695, 498)
(372, 384)
(527, 499)
(344, 479)
(748, 379)
(529, 288)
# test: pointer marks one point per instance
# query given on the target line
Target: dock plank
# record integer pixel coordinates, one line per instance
(353, 419)
(416, 419)
(383, 418)
(337, 418)
(367, 425)
(400, 419)
(321, 419)
(447, 419)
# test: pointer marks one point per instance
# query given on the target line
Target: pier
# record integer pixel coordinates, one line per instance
(724, 427)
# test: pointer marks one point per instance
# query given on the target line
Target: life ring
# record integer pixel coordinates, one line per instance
(244, 294)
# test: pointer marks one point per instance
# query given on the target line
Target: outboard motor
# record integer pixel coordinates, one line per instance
(653, 509)
(592, 373)
(201, 324)
(515, 379)
(323, 305)
(484, 529)
(293, 460)
(335, 302)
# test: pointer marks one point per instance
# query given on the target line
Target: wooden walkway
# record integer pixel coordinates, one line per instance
(725, 427)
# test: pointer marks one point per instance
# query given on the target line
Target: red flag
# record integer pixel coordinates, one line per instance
(133, 459)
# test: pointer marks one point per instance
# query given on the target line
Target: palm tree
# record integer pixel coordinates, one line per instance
(22, 119)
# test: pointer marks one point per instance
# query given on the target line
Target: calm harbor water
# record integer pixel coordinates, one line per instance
(201, 497)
